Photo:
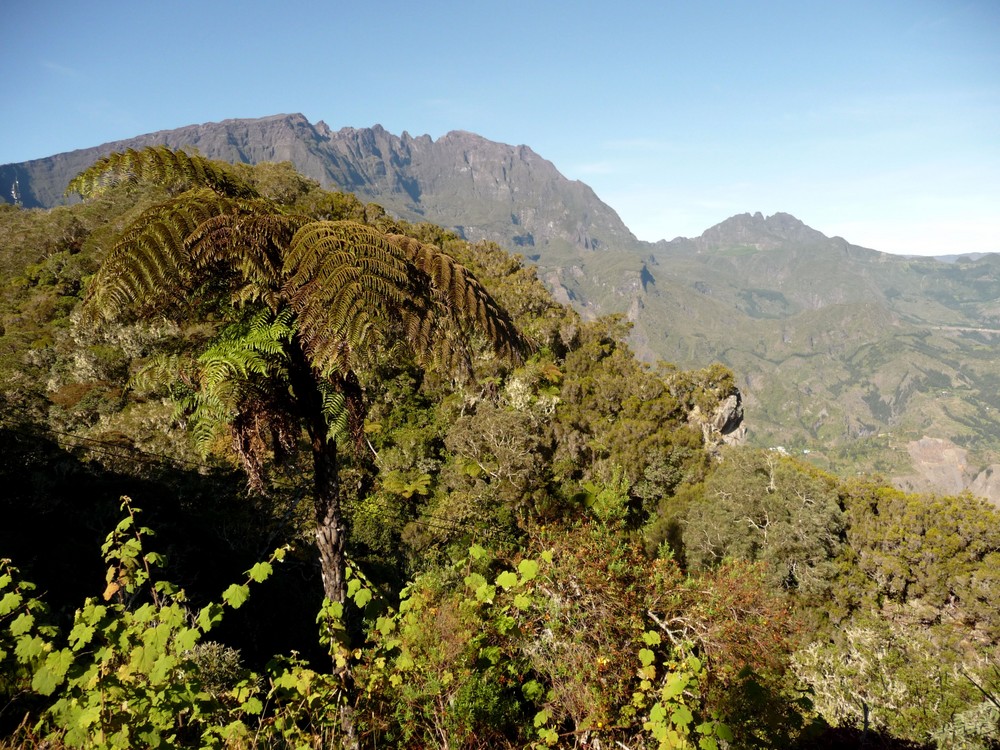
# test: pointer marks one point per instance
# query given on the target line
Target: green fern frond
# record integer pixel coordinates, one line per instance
(208, 419)
(255, 347)
(458, 300)
(177, 171)
(335, 411)
(346, 281)
(149, 268)
(241, 387)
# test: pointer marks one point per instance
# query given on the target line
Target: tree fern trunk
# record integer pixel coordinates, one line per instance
(331, 530)
(331, 533)
(331, 541)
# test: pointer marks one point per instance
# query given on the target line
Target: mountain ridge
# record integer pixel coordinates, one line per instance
(461, 175)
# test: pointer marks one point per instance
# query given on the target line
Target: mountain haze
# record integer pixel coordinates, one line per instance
(858, 359)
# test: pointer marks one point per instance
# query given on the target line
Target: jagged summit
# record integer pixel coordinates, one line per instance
(480, 188)
(757, 231)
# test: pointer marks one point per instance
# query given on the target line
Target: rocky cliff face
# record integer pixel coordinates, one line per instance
(941, 466)
(479, 188)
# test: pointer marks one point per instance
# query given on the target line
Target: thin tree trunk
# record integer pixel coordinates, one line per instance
(331, 532)
(331, 540)
(331, 529)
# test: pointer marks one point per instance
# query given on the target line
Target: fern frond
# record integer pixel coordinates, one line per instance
(249, 242)
(208, 418)
(149, 268)
(242, 388)
(177, 374)
(346, 282)
(459, 303)
(335, 410)
(252, 348)
(176, 171)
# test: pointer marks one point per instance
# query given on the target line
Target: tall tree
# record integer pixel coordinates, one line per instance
(310, 304)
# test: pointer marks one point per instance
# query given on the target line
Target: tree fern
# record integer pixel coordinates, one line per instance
(319, 301)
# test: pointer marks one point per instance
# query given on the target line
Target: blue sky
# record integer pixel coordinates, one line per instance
(876, 121)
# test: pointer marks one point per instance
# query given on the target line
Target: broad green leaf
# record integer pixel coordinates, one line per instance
(362, 597)
(88, 716)
(476, 552)
(162, 669)
(261, 572)
(646, 657)
(676, 683)
(485, 593)
(331, 610)
(186, 639)
(52, 672)
(474, 581)
(209, 616)
(533, 690)
(651, 638)
(80, 635)
(507, 579)
(11, 601)
(528, 569)
(522, 602)
(28, 648)
(22, 624)
(236, 595)
(146, 613)
(682, 716)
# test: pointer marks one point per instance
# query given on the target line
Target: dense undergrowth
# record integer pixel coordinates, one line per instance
(556, 552)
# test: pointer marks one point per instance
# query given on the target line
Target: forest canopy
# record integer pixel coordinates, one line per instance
(514, 531)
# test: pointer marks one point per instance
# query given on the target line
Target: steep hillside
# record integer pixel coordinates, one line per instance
(850, 354)
(479, 188)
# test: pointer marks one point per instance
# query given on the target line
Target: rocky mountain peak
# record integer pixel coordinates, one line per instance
(757, 231)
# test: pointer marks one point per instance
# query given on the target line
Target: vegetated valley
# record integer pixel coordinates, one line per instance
(854, 359)
(283, 469)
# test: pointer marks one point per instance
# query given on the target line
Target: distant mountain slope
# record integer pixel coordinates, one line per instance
(851, 355)
(846, 353)
(479, 188)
